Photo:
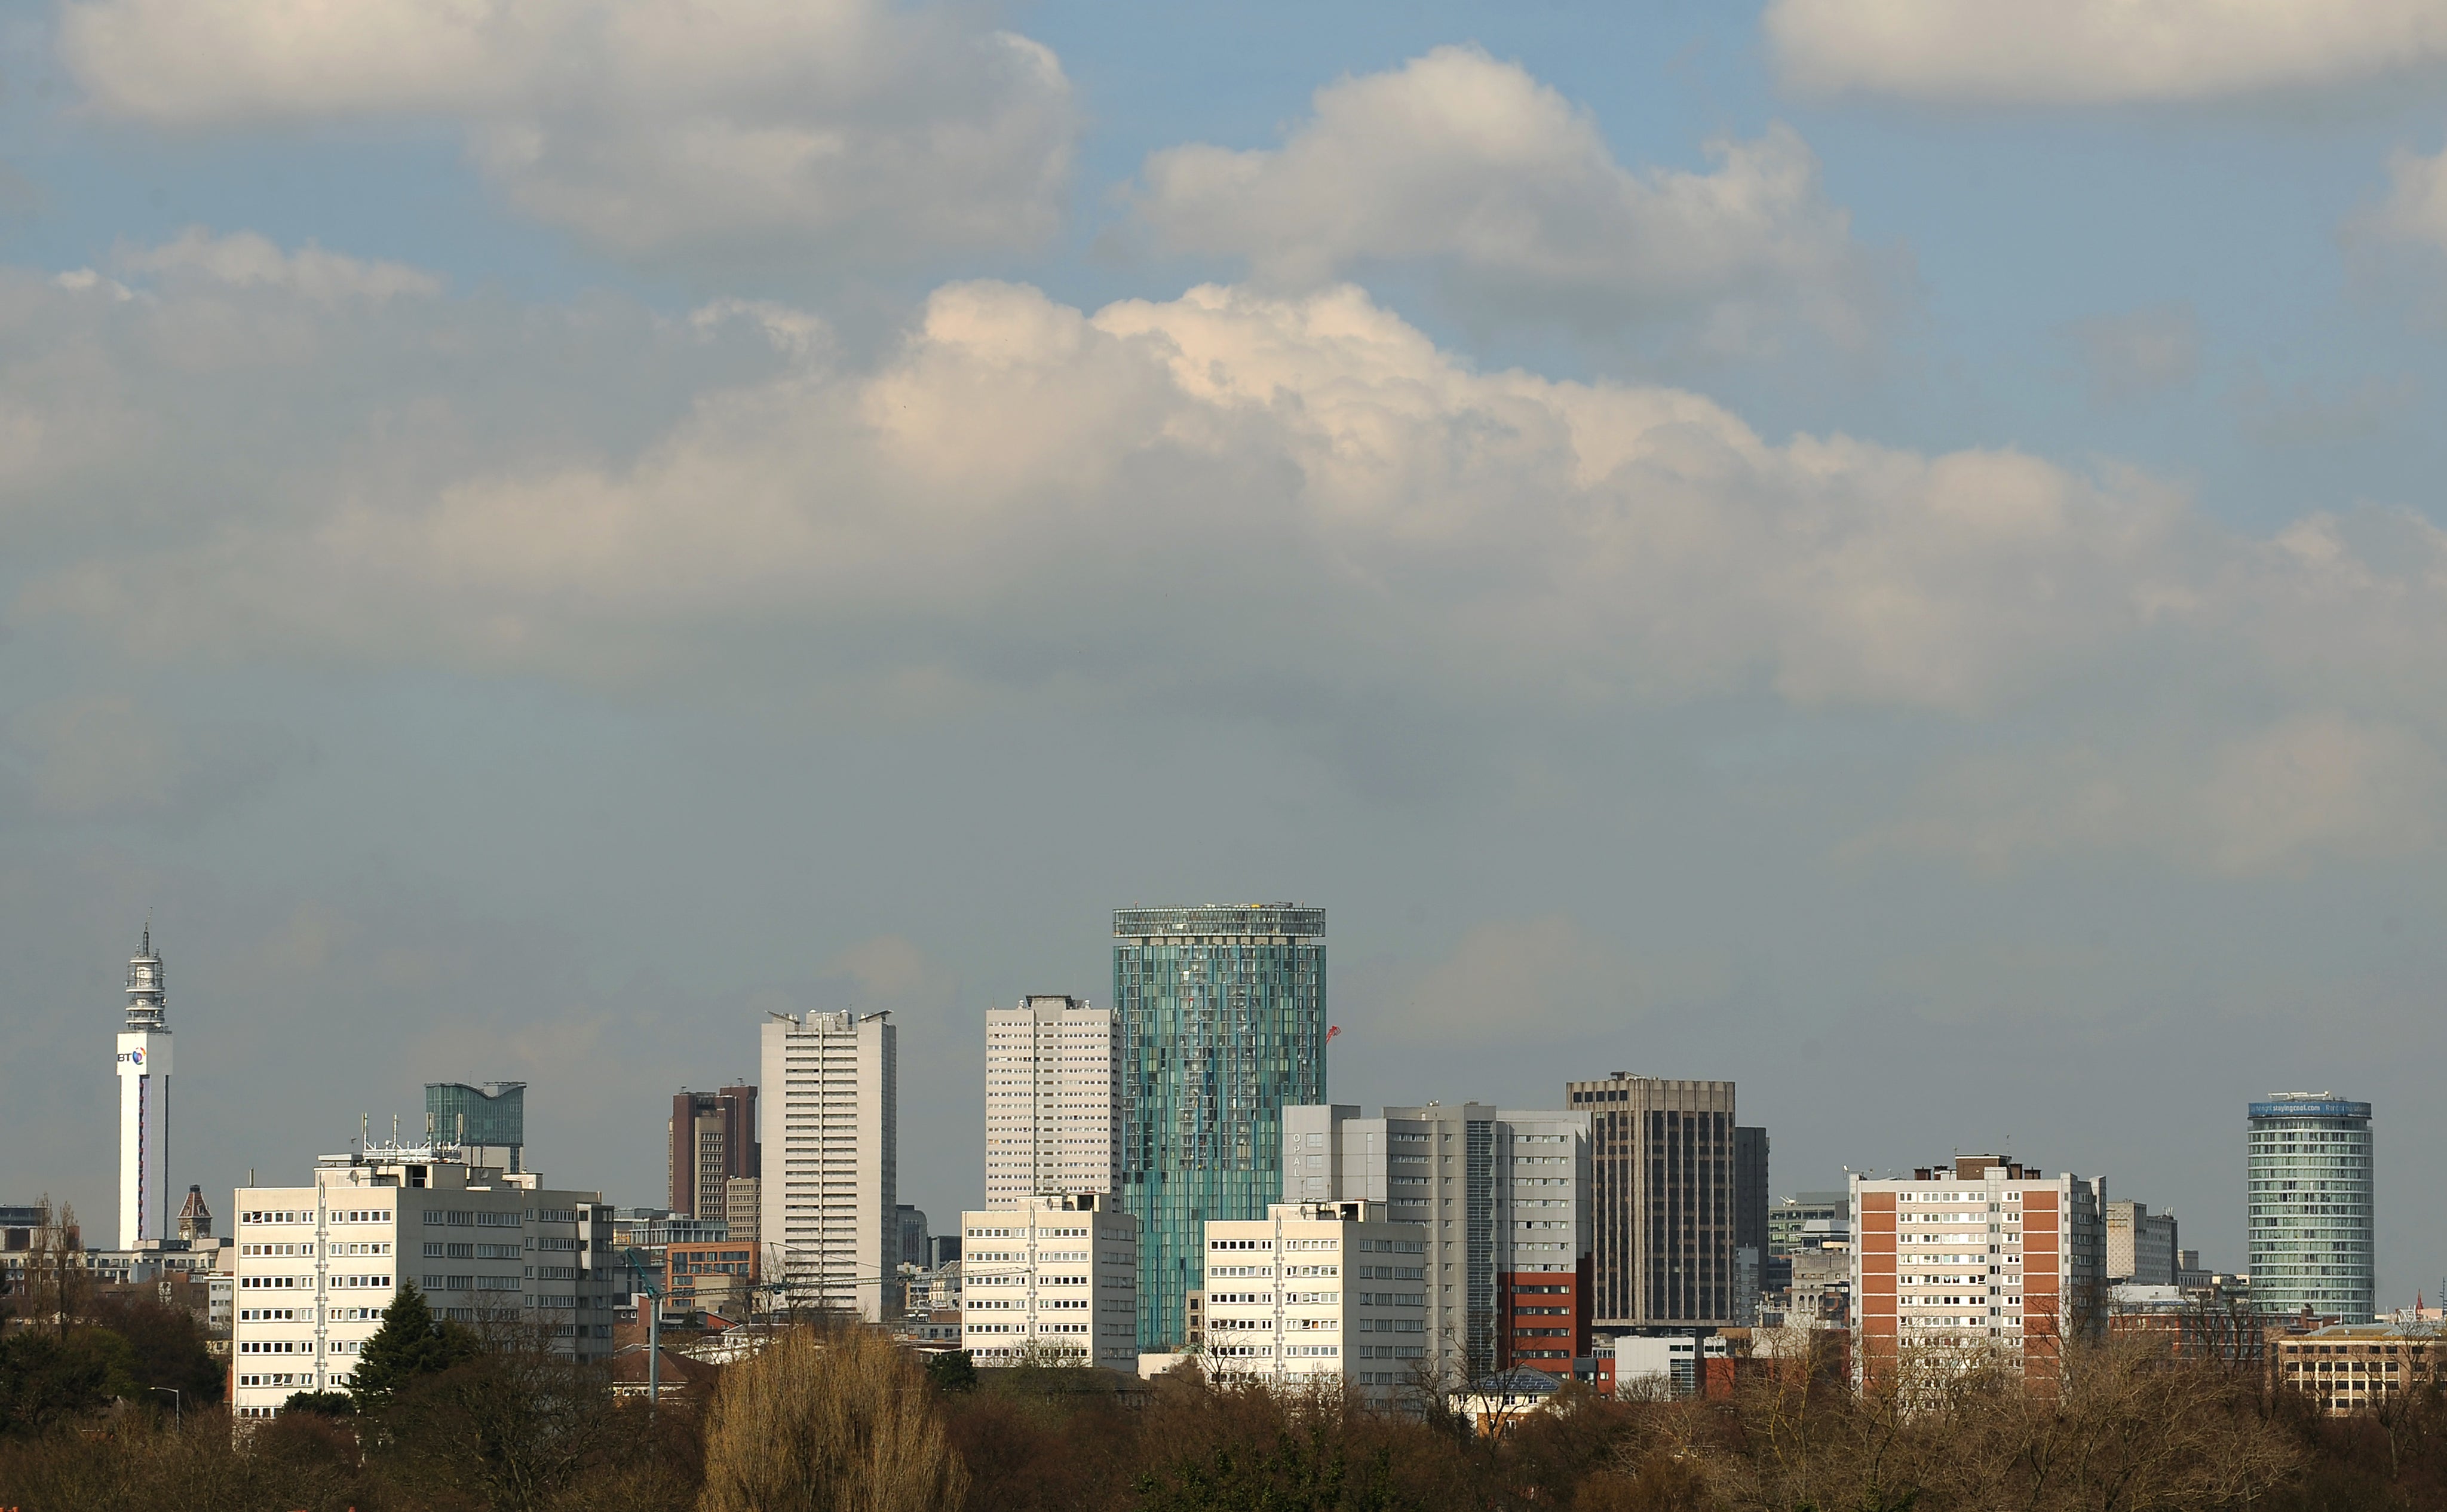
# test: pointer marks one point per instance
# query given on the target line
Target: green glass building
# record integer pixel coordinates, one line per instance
(1222, 1017)
(493, 1116)
(2312, 1227)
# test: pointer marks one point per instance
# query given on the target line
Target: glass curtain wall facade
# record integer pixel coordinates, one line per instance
(2310, 1207)
(1222, 1019)
(493, 1116)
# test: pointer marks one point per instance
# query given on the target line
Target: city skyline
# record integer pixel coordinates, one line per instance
(1779, 542)
(858, 1068)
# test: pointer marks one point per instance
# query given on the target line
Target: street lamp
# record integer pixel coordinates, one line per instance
(178, 1408)
(653, 1295)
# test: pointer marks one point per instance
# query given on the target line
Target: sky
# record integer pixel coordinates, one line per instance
(1884, 550)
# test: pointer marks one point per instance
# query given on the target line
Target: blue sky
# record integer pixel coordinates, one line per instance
(1884, 549)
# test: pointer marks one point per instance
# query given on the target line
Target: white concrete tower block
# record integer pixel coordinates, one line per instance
(143, 1068)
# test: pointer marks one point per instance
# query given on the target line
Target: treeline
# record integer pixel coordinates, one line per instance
(844, 1420)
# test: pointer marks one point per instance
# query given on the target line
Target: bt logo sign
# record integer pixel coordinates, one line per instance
(131, 1057)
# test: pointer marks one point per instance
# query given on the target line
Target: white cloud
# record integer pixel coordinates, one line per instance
(1295, 507)
(2397, 247)
(246, 259)
(2079, 52)
(1511, 193)
(658, 129)
(1551, 541)
(2416, 207)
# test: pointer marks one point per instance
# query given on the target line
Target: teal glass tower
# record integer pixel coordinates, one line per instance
(1221, 1013)
(2312, 1227)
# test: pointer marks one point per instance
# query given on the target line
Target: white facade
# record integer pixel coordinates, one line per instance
(144, 1067)
(1665, 1365)
(1318, 1293)
(315, 1266)
(829, 1118)
(1051, 1273)
(1497, 1191)
(1053, 1079)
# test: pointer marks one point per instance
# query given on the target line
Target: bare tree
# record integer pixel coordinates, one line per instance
(837, 1420)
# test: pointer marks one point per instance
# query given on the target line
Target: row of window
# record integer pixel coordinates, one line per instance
(437, 1249)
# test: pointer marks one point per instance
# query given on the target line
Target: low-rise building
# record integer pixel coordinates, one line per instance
(316, 1265)
(1662, 1365)
(2190, 1327)
(1047, 1278)
(1318, 1293)
(1495, 1403)
(715, 1276)
(2349, 1367)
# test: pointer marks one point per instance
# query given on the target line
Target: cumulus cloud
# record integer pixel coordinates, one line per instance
(2087, 52)
(247, 259)
(1333, 476)
(2396, 247)
(2414, 209)
(1471, 167)
(1289, 506)
(657, 129)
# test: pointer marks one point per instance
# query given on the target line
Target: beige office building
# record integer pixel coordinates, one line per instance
(315, 1266)
(1051, 1276)
(1317, 1295)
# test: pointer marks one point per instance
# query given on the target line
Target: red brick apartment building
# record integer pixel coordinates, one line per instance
(1974, 1262)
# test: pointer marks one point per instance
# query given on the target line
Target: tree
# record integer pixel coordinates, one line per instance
(57, 1284)
(838, 1420)
(45, 1379)
(515, 1424)
(1304, 1472)
(410, 1343)
(324, 1404)
(165, 1348)
(953, 1370)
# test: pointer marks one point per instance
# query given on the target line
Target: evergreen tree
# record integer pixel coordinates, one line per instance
(953, 1370)
(411, 1342)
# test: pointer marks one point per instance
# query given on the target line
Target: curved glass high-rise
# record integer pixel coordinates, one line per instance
(2310, 1206)
(1221, 1013)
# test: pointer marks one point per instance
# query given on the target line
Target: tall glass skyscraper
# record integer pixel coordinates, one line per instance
(2310, 1206)
(1222, 1020)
